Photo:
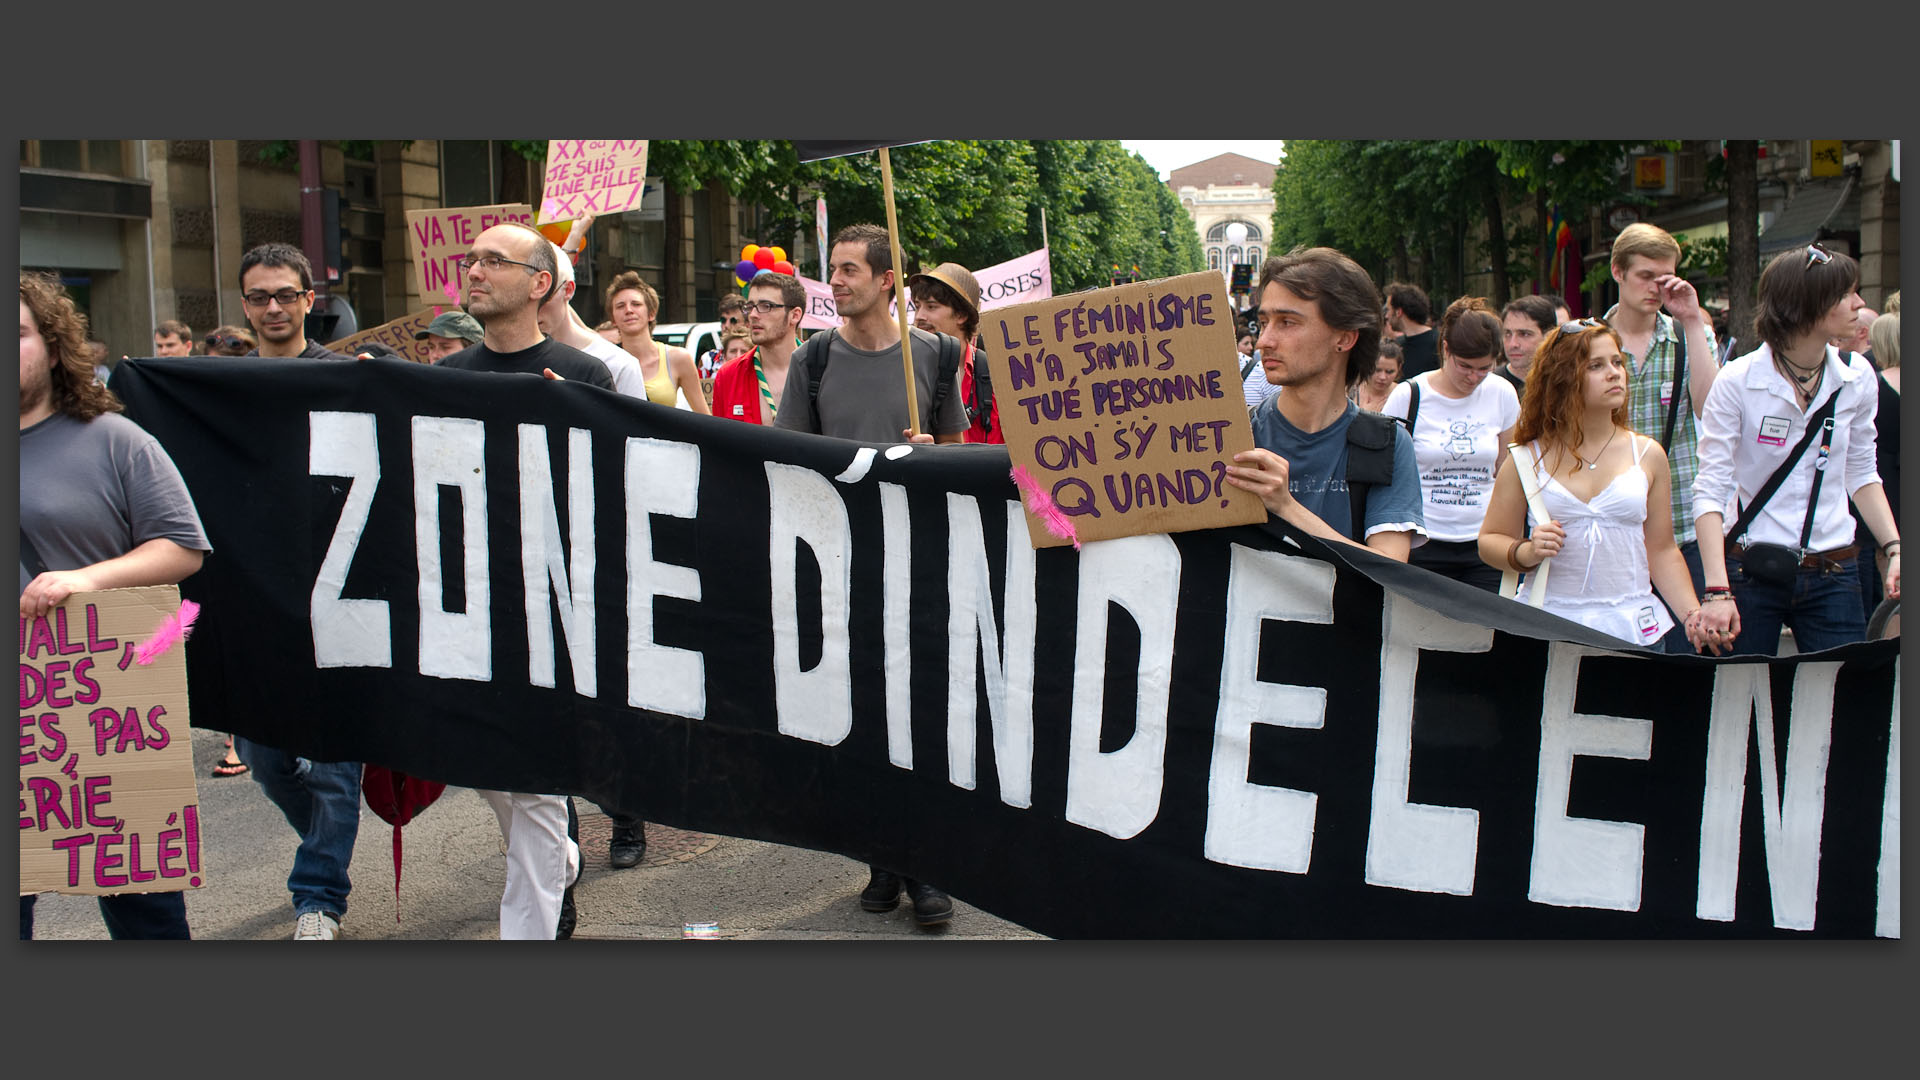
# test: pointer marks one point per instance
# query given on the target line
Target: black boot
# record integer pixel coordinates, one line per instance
(931, 907)
(883, 892)
(629, 846)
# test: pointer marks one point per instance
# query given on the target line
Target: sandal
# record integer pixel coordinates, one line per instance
(229, 768)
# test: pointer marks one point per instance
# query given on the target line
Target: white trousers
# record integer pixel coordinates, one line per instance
(541, 862)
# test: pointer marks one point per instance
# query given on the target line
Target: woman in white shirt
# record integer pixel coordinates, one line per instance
(1754, 419)
(1461, 424)
(1605, 487)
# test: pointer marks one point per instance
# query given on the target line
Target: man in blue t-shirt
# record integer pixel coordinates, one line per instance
(1319, 335)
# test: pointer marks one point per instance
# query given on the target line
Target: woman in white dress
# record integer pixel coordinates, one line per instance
(1605, 487)
(1462, 422)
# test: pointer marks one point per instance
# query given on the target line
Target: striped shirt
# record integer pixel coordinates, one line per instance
(1649, 381)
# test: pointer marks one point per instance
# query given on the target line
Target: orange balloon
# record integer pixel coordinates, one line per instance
(556, 231)
(746, 253)
(779, 254)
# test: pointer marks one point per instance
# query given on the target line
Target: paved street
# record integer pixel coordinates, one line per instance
(452, 870)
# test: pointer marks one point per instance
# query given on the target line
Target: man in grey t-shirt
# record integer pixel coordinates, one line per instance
(863, 396)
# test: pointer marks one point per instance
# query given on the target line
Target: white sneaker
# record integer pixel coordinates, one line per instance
(316, 926)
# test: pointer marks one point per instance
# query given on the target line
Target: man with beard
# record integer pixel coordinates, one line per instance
(558, 321)
(1319, 334)
(1408, 310)
(750, 388)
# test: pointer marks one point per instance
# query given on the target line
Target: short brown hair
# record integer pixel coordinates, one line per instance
(230, 341)
(631, 279)
(176, 328)
(1796, 293)
(1650, 241)
(729, 302)
(75, 390)
(927, 288)
(1411, 300)
(1344, 293)
(1537, 308)
(792, 293)
(1469, 329)
(879, 245)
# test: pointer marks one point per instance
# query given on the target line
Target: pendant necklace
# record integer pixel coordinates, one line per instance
(1591, 465)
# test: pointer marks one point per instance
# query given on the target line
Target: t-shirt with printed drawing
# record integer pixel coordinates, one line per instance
(1456, 442)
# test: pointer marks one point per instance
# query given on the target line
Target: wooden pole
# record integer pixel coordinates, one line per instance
(900, 294)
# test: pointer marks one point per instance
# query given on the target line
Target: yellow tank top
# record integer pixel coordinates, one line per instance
(660, 389)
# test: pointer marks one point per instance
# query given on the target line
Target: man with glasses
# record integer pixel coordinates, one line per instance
(511, 273)
(733, 316)
(748, 388)
(276, 288)
(321, 799)
(1663, 403)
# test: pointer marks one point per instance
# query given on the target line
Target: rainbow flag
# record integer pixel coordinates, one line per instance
(1562, 235)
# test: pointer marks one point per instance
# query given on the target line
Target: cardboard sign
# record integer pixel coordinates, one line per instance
(437, 237)
(396, 335)
(107, 798)
(592, 176)
(1125, 405)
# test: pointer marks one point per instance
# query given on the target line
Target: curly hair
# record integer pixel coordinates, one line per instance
(75, 392)
(1551, 407)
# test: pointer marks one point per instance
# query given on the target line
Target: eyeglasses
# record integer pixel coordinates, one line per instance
(731, 319)
(1578, 325)
(1817, 256)
(490, 263)
(765, 307)
(285, 298)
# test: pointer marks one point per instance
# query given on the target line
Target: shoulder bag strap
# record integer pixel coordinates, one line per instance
(1816, 423)
(1679, 385)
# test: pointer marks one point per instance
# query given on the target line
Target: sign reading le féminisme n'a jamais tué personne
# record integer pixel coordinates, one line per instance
(1125, 405)
(107, 798)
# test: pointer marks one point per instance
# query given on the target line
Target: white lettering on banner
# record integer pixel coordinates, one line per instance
(347, 633)
(971, 634)
(1412, 845)
(663, 477)
(1790, 822)
(451, 452)
(1248, 824)
(803, 508)
(541, 564)
(1118, 791)
(1887, 917)
(1582, 862)
(896, 573)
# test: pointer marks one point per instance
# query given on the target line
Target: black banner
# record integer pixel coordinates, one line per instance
(502, 582)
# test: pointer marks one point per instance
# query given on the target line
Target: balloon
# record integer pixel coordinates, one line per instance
(737, 283)
(764, 259)
(783, 266)
(556, 231)
(763, 270)
(779, 253)
(743, 269)
(746, 253)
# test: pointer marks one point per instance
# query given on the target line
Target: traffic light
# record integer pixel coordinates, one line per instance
(334, 237)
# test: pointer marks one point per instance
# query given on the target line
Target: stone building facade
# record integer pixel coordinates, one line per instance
(1221, 191)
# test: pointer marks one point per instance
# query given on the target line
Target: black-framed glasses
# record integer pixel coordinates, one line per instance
(490, 263)
(285, 298)
(1817, 256)
(1578, 325)
(765, 307)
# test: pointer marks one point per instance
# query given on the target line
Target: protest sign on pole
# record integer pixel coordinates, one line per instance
(1016, 281)
(107, 798)
(1125, 405)
(437, 237)
(592, 176)
(396, 335)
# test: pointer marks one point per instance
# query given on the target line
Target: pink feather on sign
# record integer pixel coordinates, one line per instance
(1042, 506)
(173, 630)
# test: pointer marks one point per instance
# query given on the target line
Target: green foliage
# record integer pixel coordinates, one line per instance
(287, 151)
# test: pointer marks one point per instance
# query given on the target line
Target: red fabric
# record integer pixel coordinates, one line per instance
(977, 431)
(737, 384)
(398, 799)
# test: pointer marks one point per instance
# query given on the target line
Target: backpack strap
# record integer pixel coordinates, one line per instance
(1413, 403)
(1679, 385)
(948, 375)
(1370, 445)
(1246, 369)
(815, 362)
(982, 391)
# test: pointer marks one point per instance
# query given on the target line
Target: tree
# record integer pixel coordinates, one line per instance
(1743, 235)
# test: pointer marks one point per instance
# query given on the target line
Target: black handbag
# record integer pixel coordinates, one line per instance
(1777, 563)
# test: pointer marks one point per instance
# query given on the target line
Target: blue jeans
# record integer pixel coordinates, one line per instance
(1822, 606)
(321, 800)
(1676, 641)
(130, 917)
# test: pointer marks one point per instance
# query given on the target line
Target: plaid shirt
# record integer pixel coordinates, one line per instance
(1647, 411)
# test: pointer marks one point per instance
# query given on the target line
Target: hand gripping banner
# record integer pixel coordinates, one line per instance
(503, 582)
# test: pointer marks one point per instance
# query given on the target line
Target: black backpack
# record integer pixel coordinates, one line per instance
(1370, 441)
(814, 361)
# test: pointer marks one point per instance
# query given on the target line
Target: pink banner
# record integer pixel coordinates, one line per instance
(1029, 277)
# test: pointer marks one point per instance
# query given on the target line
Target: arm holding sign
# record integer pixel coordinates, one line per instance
(156, 562)
(1265, 473)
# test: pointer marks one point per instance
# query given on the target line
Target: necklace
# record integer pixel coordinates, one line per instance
(1801, 375)
(1591, 465)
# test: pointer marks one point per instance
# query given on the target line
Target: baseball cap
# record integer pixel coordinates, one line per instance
(955, 277)
(457, 324)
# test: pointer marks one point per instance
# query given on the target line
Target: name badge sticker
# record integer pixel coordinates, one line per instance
(1666, 392)
(1648, 621)
(1773, 430)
